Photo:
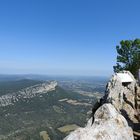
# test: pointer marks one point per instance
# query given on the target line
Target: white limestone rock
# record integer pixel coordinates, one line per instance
(108, 125)
(122, 97)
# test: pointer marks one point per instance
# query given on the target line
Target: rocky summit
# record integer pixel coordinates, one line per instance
(116, 116)
(108, 125)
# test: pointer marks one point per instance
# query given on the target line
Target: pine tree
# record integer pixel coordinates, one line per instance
(128, 57)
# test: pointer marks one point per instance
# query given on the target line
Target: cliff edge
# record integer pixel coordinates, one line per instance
(117, 116)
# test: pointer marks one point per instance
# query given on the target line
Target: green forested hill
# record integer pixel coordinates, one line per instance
(14, 86)
(28, 117)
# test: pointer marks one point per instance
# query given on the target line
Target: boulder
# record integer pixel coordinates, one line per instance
(108, 125)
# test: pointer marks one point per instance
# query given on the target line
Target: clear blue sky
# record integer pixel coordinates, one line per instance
(75, 37)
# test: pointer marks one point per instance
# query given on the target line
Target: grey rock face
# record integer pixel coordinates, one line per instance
(120, 96)
(118, 115)
(108, 125)
(125, 98)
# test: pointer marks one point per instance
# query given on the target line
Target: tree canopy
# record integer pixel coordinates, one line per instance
(128, 57)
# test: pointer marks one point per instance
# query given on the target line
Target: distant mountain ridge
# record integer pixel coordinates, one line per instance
(16, 85)
(16, 77)
(27, 93)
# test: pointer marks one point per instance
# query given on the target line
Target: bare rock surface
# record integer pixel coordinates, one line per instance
(125, 97)
(117, 116)
(122, 97)
(108, 125)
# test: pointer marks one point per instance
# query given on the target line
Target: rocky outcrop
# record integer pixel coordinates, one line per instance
(125, 98)
(108, 125)
(27, 93)
(122, 97)
(118, 118)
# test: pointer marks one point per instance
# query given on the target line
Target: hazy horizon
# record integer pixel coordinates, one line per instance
(53, 75)
(60, 73)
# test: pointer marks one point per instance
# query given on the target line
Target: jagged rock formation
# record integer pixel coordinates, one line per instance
(125, 98)
(119, 106)
(27, 93)
(122, 97)
(108, 125)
